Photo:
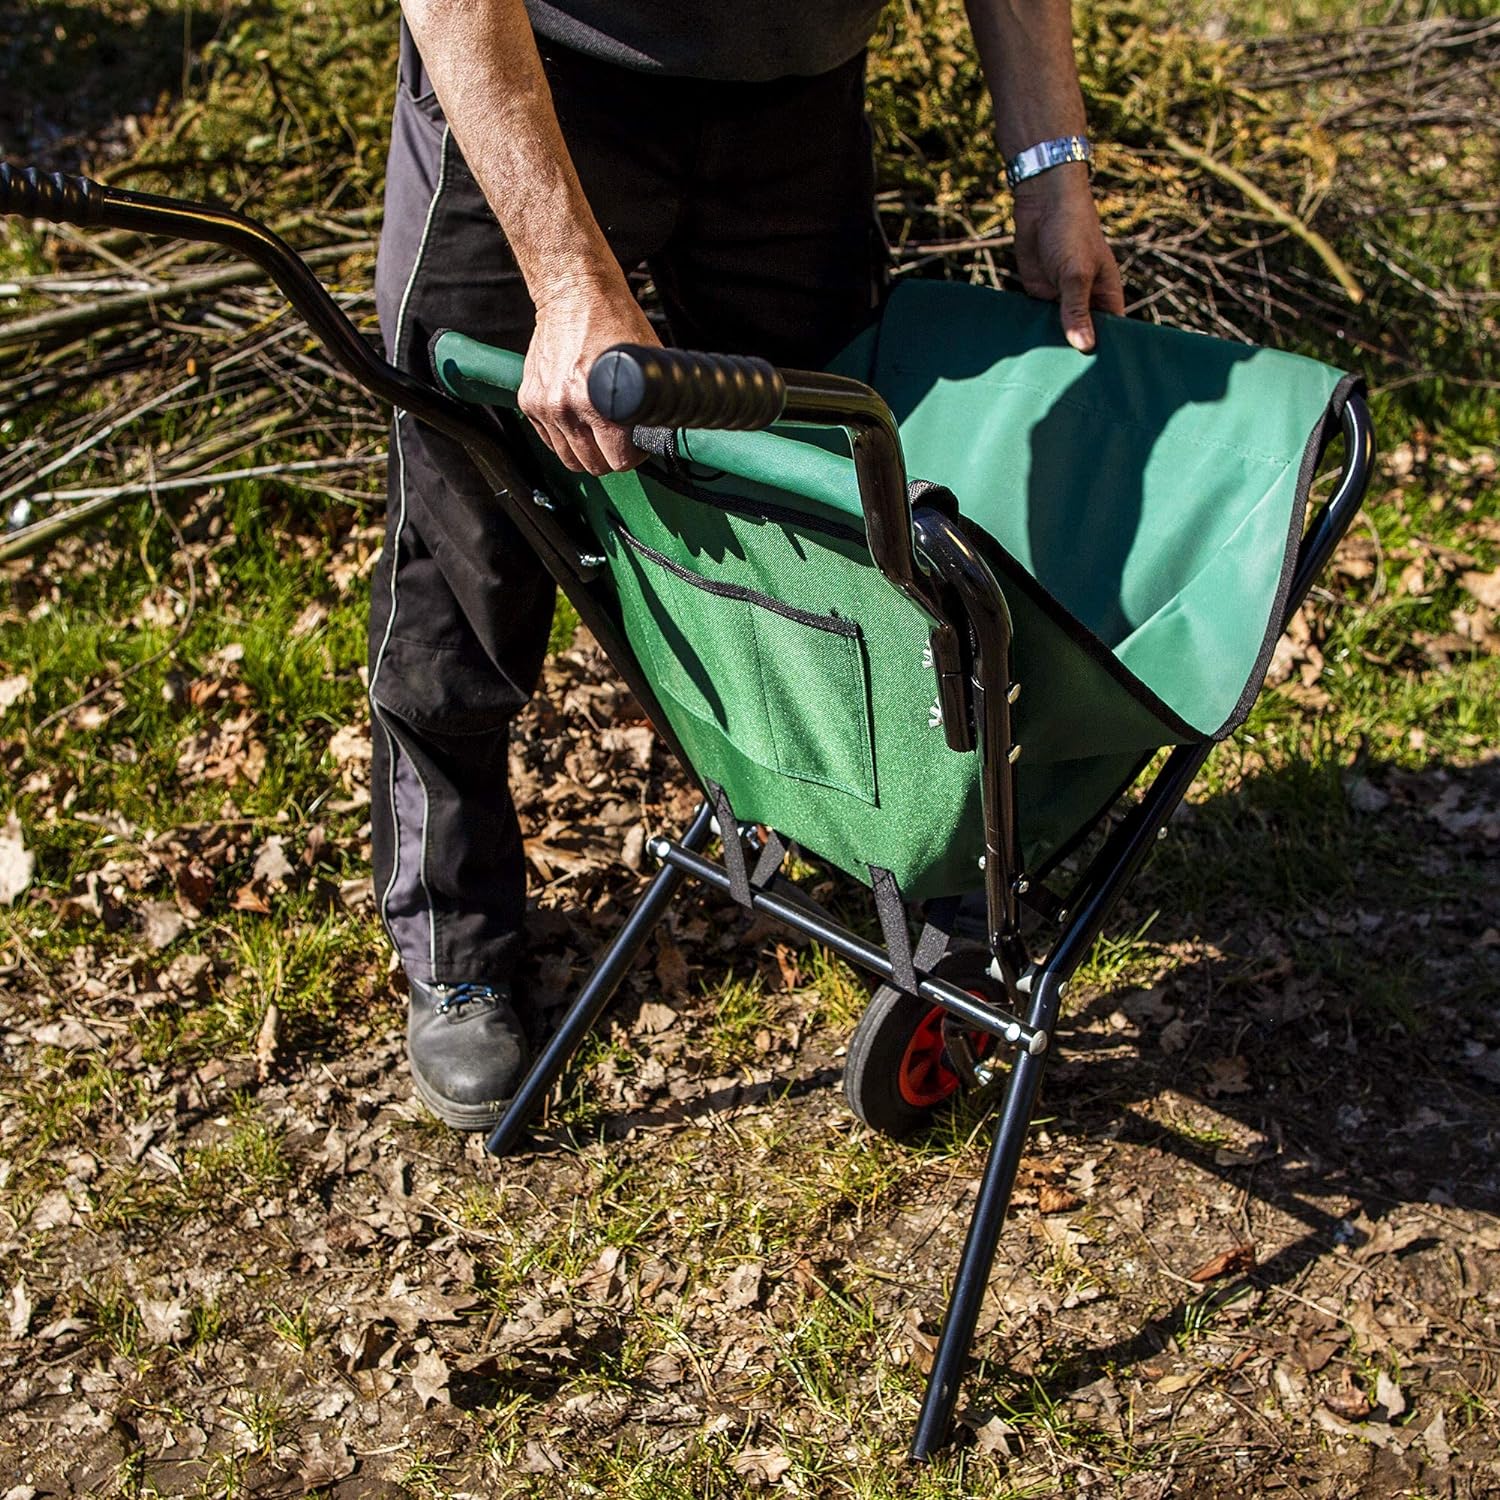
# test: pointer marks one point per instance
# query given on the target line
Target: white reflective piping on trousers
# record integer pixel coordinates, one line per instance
(396, 416)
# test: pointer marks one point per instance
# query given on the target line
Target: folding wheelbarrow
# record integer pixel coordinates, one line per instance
(939, 686)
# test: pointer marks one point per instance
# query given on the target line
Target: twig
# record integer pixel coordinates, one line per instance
(99, 501)
(114, 310)
(1269, 206)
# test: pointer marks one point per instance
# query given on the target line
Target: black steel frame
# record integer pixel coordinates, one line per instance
(928, 554)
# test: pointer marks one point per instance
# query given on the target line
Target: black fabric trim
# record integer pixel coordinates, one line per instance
(938, 496)
(833, 624)
(1312, 455)
(734, 848)
(891, 910)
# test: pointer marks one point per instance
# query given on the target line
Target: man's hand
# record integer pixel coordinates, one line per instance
(1061, 251)
(575, 323)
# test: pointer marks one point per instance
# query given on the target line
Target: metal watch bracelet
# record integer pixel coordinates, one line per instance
(1045, 155)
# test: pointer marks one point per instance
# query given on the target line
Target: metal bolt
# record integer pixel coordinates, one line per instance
(1022, 886)
(981, 861)
(542, 500)
(591, 560)
(1015, 754)
(1014, 693)
(1161, 833)
(1012, 1033)
(658, 848)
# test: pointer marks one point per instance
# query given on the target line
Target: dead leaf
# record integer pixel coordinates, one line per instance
(1350, 1403)
(1232, 1262)
(21, 1309)
(429, 1378)
(1385, 1238)
(634, 743)
(326, 1459)
(1175, 1036)
(13, 689)
(17, 863)
(162, 924)
(993, 1437)
(671, 967)
(1485, 587)
(266, 1041)
(1388, 1394)
(765, 1465)
(272, 868)
(1435, 1441)
(654, 1018)
(247, 898)
(742, 1288)
(1227, 1075)
(164, 1319)
(1056, 1200)
(312, 616)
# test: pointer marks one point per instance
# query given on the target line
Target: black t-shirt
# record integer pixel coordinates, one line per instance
(711, 38)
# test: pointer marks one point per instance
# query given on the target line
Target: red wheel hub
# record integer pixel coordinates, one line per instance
(926, 1077)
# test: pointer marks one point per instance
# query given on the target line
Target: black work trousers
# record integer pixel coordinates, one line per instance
(752, 206)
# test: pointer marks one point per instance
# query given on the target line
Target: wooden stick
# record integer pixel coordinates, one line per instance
(1270, 207)
(109, 310)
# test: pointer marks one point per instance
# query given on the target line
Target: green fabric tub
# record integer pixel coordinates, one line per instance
(1141, 507)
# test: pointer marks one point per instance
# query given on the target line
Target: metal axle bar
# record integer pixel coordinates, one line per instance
(987, 1018)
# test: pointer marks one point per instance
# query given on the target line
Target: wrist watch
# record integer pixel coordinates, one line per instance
(1045, 155)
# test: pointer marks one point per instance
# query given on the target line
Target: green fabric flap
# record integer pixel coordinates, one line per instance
(1149, 487)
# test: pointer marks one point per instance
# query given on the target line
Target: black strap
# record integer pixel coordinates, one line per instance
(772, 853)
(661, 443)
(891, 910)
(936, 934)
(734, 848)
(926, 492)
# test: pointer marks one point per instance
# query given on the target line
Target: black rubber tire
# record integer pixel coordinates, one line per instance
(874, 1063)
(872, 1069)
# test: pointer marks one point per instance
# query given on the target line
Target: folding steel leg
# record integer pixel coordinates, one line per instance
(596, 993)
(984, 1228)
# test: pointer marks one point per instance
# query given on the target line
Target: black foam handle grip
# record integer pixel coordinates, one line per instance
(53, 196)
(633, 383)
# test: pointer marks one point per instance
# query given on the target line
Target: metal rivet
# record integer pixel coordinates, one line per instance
(1161, 833)
(981, 861)
(1015, 754)
(1013, 1033)
(591, 560)
(1022, 886)
(542, 500)
(1014, 693)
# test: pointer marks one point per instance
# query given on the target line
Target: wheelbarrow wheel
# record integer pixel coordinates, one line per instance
(898, 1073)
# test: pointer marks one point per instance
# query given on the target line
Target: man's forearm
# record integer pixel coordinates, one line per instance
(483, 62)
(1026, 50)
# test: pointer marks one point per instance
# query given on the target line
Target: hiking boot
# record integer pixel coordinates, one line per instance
(466, 1049)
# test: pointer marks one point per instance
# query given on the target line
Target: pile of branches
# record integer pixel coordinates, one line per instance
(1333, 192)
(207, 379)
(1328, 191)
